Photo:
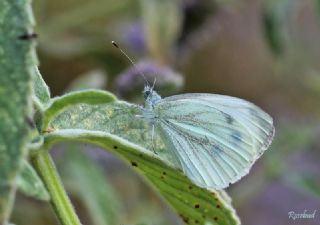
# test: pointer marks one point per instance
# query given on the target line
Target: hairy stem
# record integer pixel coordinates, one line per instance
(59, 198)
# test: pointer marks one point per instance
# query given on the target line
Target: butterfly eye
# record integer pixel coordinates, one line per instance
(146, 94)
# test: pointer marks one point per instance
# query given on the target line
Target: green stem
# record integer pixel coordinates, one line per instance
(59, 199)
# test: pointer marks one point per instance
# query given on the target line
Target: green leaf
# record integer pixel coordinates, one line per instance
(277, 19)
(271, 30)
(110, 126)
(307, 183)
(96, 79)
(162, 22)
(17, 58)
(275, 24)
(317, 5)
(41, 93)
(86, 180)
(195, 205)
(272, 25)
(88, 96)
(30, 183)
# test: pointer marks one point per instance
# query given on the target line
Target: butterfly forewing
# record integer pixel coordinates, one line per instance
(215, 138)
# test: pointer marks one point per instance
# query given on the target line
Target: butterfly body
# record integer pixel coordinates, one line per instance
(151, 99)
(215, 139)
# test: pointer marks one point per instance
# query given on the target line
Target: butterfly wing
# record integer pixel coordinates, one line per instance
(215, 138)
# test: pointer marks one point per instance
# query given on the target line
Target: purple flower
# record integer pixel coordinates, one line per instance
(134, 37)
(129, 84)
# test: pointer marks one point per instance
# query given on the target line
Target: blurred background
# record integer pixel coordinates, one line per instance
(265, 51)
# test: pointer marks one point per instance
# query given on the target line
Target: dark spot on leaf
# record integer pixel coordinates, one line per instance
(218, 206)
(190, 187)
(115, 147)
(134, 164)
(215, 218)
(184, 218)
(196, 221)
(164, 173)
(27, 36)
(197, 206)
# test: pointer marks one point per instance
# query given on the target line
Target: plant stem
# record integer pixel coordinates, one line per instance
(59, 199)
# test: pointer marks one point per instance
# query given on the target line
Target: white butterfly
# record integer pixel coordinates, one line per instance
(215, 138)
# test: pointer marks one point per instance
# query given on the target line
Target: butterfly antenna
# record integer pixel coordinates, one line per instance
(132, 62)
(154, 83)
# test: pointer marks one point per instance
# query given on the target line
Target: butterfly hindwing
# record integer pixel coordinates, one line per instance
(215, 138)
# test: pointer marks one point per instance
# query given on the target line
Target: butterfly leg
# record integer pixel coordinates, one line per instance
(152, 140)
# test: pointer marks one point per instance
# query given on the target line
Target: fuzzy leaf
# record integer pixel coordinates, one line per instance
(17, 58)
(194, 205)
(89, 96)
(41, 93)
(111, 126)
(30, 183)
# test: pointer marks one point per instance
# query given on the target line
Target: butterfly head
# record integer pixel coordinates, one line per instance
(151, 96)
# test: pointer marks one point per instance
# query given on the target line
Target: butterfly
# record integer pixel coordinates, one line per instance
(214, 139)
